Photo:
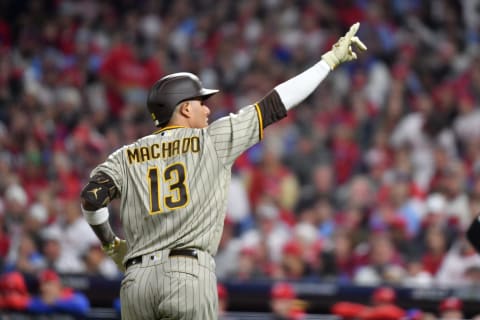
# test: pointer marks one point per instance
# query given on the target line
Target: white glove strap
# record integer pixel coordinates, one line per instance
(95, 217)
(298, 88)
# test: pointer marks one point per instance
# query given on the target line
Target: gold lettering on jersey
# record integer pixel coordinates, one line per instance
(133, 155)
(195, 144)
(144, 153)
(166, 149)
(163, 150)
(185, 144)
(175, 147)
(155, 153)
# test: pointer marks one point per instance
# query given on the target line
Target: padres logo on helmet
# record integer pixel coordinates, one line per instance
(171, 90)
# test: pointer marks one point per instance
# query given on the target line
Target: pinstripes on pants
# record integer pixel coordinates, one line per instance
(162, 287)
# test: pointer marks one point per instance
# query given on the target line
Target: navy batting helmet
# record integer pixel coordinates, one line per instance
(171, 90)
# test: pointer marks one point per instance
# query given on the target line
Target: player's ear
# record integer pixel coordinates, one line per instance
(185, 109)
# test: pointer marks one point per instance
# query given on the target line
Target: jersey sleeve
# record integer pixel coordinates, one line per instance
(113, 167)
(233, 134)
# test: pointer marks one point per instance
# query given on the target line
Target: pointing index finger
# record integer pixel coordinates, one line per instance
(353, 30)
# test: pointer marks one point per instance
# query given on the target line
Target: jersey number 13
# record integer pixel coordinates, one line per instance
(174, 177)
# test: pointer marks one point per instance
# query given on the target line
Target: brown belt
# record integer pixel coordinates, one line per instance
(174, 252)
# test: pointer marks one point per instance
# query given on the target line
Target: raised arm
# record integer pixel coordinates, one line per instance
(298, 88)
(290, 93)
(233, 134)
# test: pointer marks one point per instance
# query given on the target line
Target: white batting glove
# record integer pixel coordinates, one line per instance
(342, 50)
(116, 250)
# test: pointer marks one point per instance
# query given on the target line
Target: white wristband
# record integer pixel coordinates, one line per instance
(95, 217)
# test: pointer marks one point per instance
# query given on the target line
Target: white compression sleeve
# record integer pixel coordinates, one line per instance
(298, 88)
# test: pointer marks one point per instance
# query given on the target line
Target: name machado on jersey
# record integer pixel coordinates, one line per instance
(164, 150)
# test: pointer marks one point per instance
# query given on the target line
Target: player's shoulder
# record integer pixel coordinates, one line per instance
(233, 114)
(245, 112)
(121, 149)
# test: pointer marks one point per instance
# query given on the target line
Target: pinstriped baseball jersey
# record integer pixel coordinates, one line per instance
(173, 183)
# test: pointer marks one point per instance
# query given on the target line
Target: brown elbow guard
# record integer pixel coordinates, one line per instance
(98, 192)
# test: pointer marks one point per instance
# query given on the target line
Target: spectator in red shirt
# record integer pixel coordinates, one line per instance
(284, 303)
(128, 71)
(451, 308)
(14, 294)
(342, 254)
(382, 262)
(4, 238)
(345, 151)
(293, 264)
(436, 248)
(273, 179)
(382, 307)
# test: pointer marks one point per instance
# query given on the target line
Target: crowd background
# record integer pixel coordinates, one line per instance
(372, 180)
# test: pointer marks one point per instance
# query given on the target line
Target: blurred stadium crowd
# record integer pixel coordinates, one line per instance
(372, 180)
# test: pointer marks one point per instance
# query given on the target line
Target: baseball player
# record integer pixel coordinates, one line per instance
(173, 186)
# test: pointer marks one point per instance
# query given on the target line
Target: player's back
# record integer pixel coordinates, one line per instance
(173, 191)
(173, 184)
